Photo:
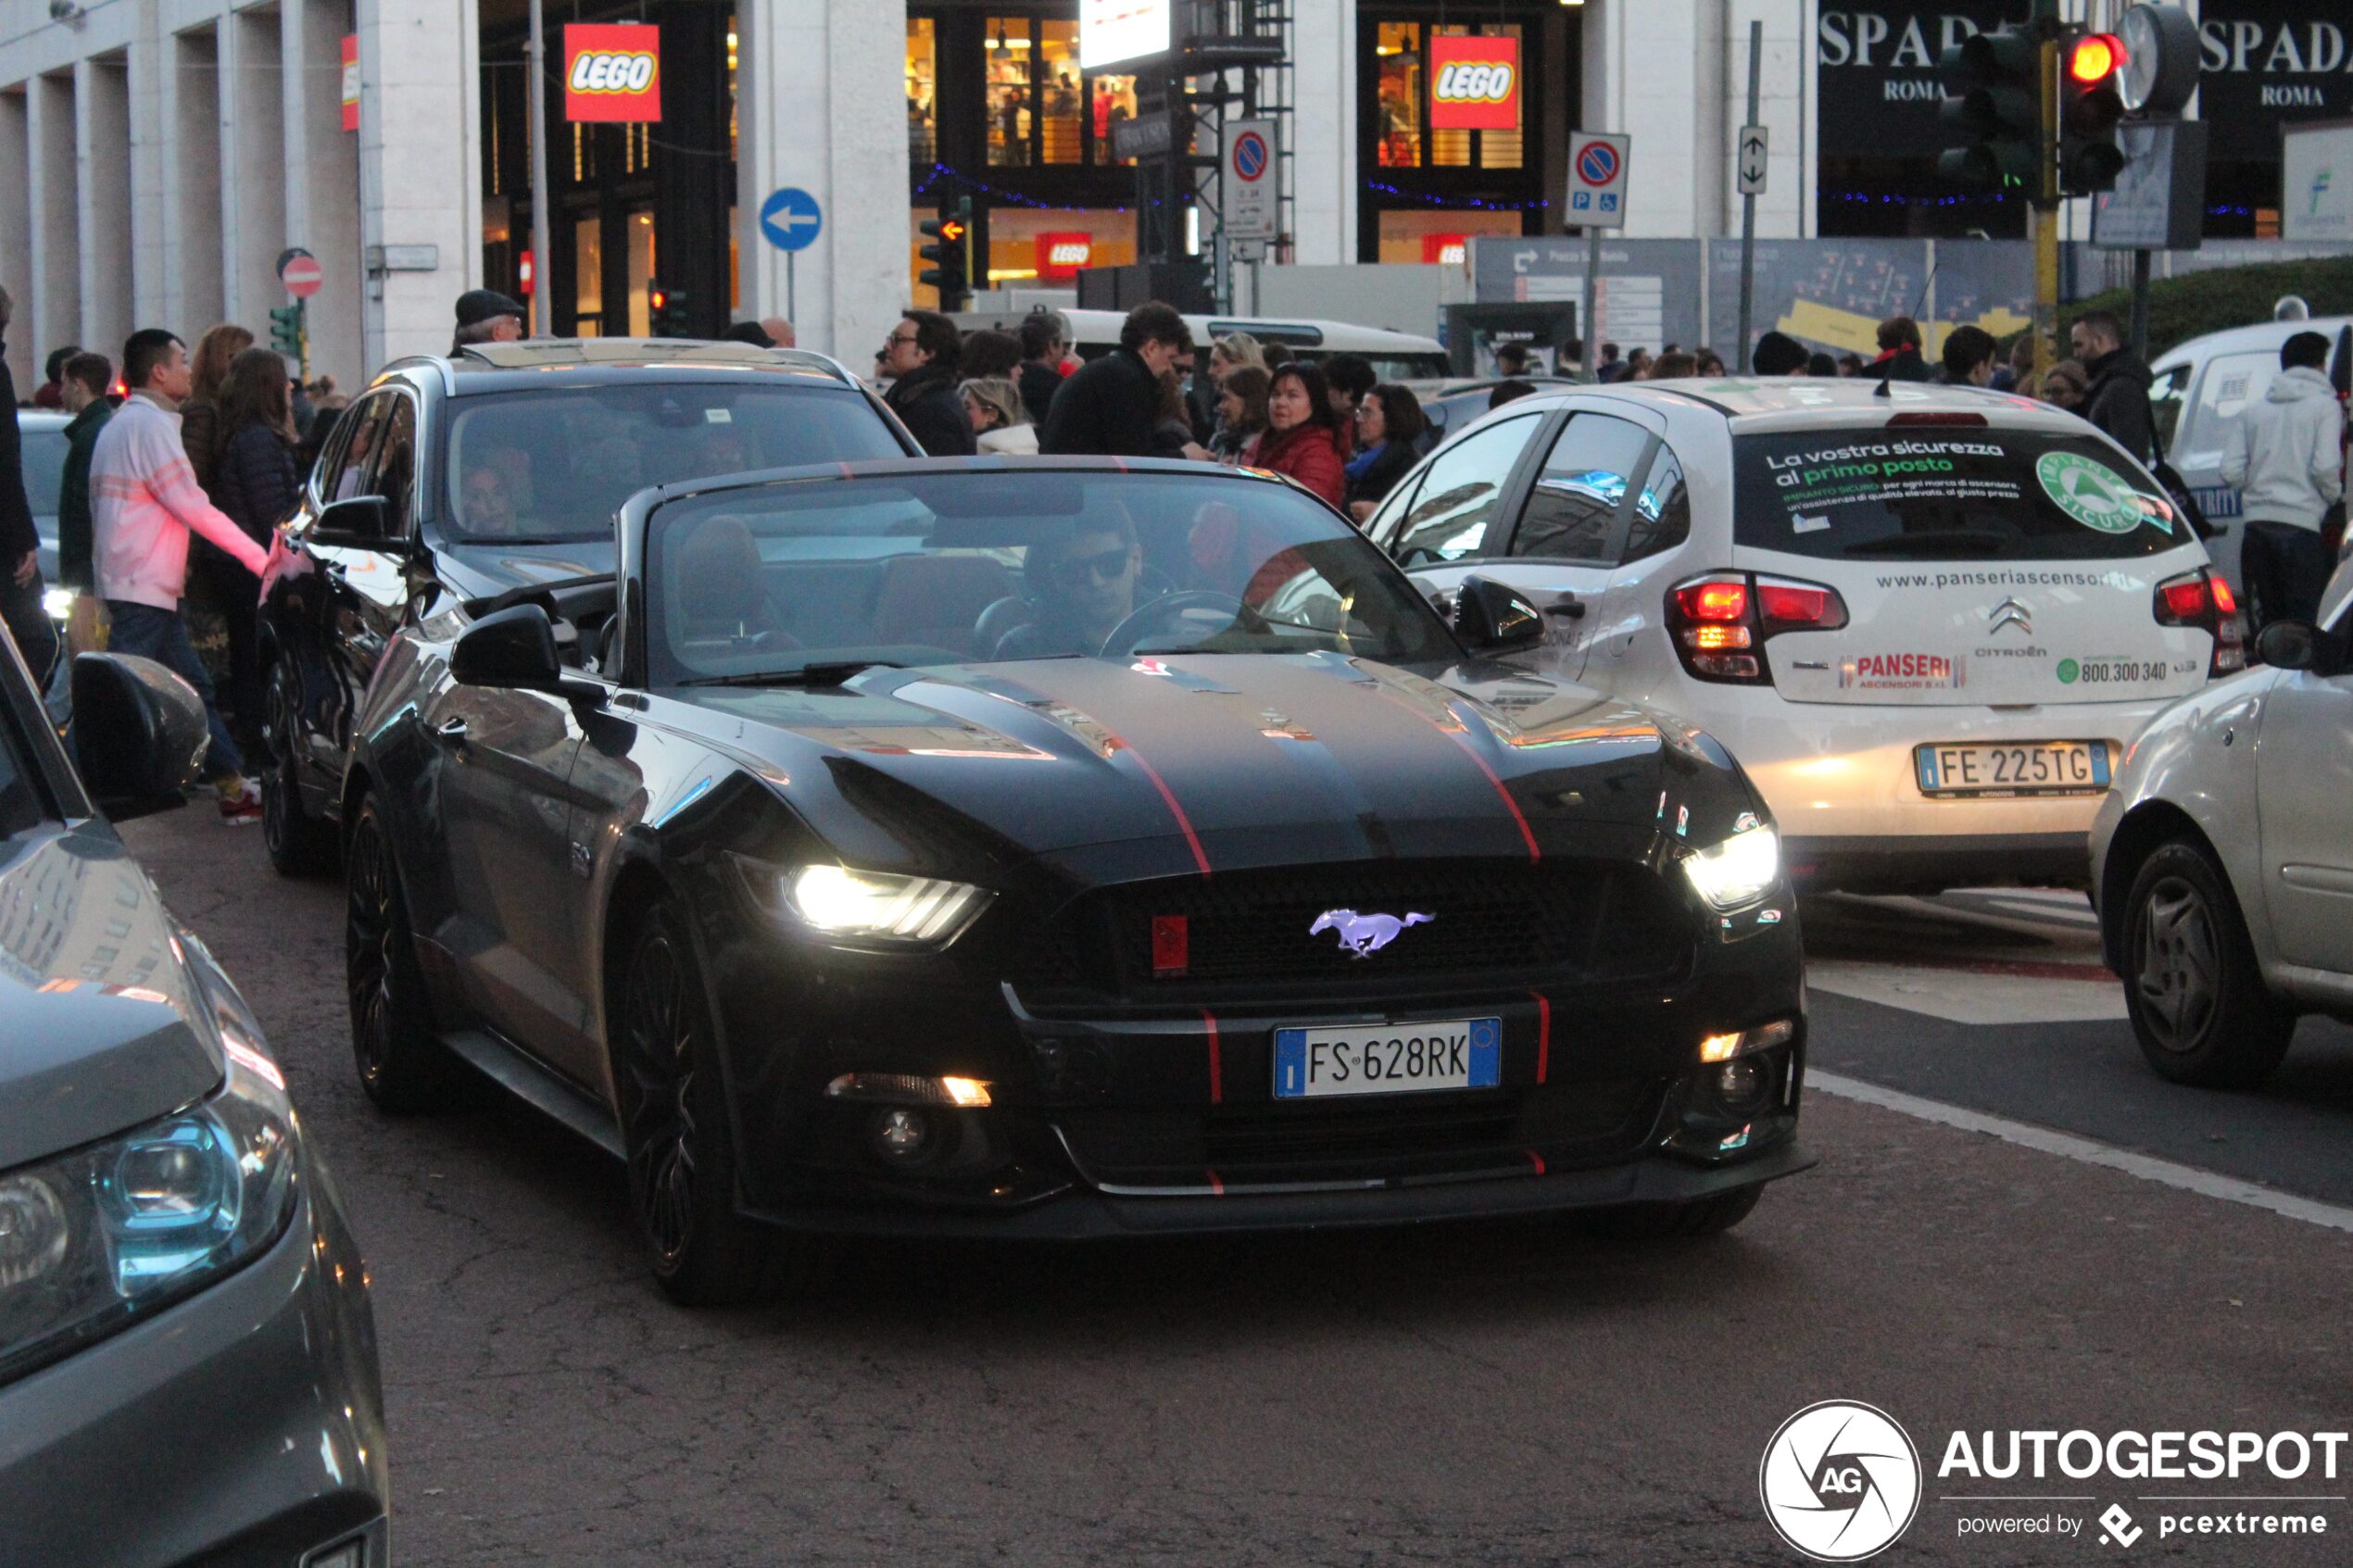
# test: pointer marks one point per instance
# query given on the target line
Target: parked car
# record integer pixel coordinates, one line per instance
(1927, 620)
(187, 1359)
(2224, 860)
(449, 482)
(2200, 388)
(839, 870)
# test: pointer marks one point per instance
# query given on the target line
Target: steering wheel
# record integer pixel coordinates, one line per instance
(1129, 633)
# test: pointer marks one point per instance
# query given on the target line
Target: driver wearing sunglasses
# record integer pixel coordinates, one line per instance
(1084, 585)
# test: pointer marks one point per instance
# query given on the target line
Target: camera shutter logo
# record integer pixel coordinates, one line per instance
(1840, 1481)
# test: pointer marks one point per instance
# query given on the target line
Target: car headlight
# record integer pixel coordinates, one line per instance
(92, 1240)
(1737, 871)
(58, 602)
(858, 907)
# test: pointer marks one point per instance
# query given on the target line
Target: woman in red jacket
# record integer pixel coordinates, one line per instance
(1302, 440)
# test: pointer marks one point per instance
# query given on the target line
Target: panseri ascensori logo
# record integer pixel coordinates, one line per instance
(1840, 1481)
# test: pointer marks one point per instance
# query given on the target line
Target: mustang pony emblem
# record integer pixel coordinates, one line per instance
(1365, 934)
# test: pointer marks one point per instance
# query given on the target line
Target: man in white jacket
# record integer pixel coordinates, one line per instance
(2285, 454)
(144, 502)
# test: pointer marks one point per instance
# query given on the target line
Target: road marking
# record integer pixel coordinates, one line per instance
(2067, 1146)
(1987, 991)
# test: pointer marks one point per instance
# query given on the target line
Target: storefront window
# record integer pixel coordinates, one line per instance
(1028, 245)
(1065, 95)
(588, 276)
(1011, 119)
(1113, 100)
(923, 90)
(641, 272)
(1398, 49)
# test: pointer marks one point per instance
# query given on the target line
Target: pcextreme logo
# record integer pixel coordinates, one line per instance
(1473, 84)
(612, 72)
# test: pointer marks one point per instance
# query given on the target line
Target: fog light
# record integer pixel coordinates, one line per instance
(1741, 1084)
(965, 1094)
(1765, 1036)
(903, 1137)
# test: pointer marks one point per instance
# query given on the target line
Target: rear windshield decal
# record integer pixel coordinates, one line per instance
(2094, 494)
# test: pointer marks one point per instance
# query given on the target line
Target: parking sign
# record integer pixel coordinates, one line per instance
(1251, 187)
(1597, 180)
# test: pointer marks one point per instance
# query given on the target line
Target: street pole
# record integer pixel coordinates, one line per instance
(2045, 217)
(1748, 207)
(2141, 305)
(537, 54)
(1586, 324)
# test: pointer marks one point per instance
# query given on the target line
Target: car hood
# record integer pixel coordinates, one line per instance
(103, 1024)
(1222, 762)
(485, 571)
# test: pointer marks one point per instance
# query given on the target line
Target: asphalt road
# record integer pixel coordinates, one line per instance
(1474, 1395)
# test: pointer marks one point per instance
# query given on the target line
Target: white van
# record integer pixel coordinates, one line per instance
(2199, 390)
(1395, 357)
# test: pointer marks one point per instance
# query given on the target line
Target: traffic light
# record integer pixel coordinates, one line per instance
(2089, 160)
(286, 329)
(665, 310)
(948, 253)
(1995, 105)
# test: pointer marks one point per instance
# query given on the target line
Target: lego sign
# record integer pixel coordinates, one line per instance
(612, 72)
(1060, 257)
(1473, 84)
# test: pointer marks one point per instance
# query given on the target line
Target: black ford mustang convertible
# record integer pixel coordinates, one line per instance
(1060, 848)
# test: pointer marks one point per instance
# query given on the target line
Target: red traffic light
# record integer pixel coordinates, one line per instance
(2095, 58)
(657, 298)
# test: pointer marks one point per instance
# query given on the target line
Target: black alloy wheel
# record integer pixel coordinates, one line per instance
(299, 843)
(675, 1130)
(2192, 986)
(402, 1065)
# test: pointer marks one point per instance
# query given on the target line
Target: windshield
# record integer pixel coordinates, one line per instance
(1947, 492)
(45, 469)
(813, 576)
(556, 465)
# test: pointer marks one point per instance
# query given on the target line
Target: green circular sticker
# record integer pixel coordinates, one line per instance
(2068, 670)
(2093, 494)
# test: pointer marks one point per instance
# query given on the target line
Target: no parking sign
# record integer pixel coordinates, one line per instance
(1597, 180)
(1248, 189)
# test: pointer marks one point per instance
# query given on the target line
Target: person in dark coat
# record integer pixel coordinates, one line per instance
(254, 483)
(1110, 406)
(923, 356)
(1389, 433)
(1899, 351)
(2117, 401)
(1045, 342)
(22, 608)
(1777, 354)
(86, 379)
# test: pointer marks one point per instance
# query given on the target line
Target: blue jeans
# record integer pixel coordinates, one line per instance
(161, 635)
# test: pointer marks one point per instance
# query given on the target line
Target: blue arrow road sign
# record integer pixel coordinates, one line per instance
(790, 220)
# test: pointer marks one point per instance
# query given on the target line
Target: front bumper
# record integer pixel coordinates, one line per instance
(244, 1424)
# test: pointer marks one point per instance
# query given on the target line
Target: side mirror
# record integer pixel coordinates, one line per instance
(2288, 645)
(138, 734)
(357, 523)
(1490, 618)
(514, 649)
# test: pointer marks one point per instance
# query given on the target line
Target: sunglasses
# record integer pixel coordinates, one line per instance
(902, 337)
(1106, 566)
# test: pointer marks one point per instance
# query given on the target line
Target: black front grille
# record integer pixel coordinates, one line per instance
(1576, 921)
(1255, 1137)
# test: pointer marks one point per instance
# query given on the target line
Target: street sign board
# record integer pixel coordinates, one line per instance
(300, 272)
(2316, 181)
(789, 220)
(1596, 180)
(1248, 190)
(1146, 135)
(1754, 144)
(2159, 199)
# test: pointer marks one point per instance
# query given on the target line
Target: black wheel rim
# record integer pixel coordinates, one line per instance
(370, 928)
(2177, 964)
(658, 1044)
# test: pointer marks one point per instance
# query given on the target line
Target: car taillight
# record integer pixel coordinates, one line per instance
(2202, 599)
(1717, 623)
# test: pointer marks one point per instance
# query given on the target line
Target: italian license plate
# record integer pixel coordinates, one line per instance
(1388, 1058)
(2065, 767)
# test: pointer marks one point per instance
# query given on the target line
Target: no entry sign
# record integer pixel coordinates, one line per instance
(300, 272)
